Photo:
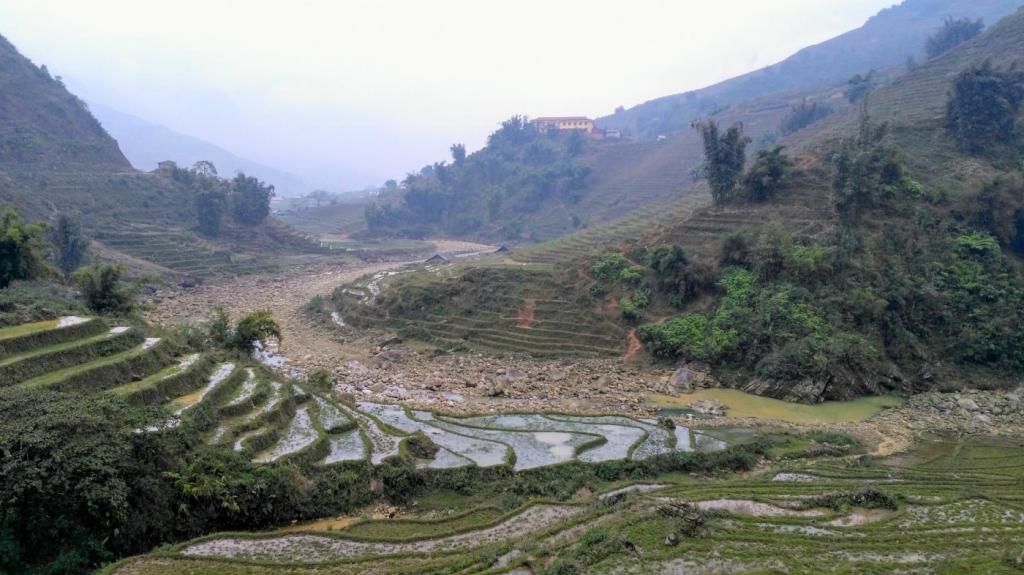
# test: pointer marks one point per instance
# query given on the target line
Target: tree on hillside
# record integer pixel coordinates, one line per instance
(256, 328)
(513, 131)
(803, 115)
(576, 142)
(210, 204)
(954, 31)
(859, 86)
(458, 153)
(868, 172)
(205, 168)
(320, 197)
(70, 243)
(21, 246)
(981, 112)
(999, 209)
(766, 175)
(250, 199)
(724, 157)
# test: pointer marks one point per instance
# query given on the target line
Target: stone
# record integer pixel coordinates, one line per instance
(967, 403)
(711, 407)
(981, 418)
(671, 540)
(494, 390)
(556, 375)
(682, 379)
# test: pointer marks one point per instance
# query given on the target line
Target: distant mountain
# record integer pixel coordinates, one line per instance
(886, 40)
(45, 128)
(146, 144)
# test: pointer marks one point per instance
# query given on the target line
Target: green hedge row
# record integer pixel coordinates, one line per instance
(133, 368)
(44, 363)
(51, 336)
(172, 386)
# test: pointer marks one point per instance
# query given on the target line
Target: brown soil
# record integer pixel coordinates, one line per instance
(525, 317)
(634, 348)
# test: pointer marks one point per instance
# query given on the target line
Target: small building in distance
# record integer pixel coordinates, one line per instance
(564, 123)
(166, 167)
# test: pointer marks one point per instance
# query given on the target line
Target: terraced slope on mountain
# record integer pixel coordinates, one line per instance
(946, 505)
(885, 41)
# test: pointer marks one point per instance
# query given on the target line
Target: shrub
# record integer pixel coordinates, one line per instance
(682, 336)
(735, 251)
(803, 115)
(630, 311)
(954, 31)
(767, 174)
(103, 290)
(859, 86)
(982, 108)
(257, 327)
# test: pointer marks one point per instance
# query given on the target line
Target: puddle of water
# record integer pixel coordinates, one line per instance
(248, 388)
(329, 415)
(383, 445)
(149, 342)
(741, 404)
(348, 446)
(300, 434)
(70, 320)
(483, 453)
(530, 450)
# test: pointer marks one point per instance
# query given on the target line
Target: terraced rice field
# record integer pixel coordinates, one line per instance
(524, 311)
(951, 505)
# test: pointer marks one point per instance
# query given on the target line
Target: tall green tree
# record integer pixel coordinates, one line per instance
(210, 204)
(250, 199)
(21, 247)
(954, 31)
(724, 157)
(71, 244)
(458, 153)
(981, 112)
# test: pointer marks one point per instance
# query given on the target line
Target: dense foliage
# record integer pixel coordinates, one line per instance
(70, 244)
(724, 157)
(981, 114)
(954, 31)
(250, 199)
(766, 176)
(20, 249)
(489, 193)
(103, 290)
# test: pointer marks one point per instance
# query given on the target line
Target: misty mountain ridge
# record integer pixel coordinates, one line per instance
(886, 40)
(146, 143)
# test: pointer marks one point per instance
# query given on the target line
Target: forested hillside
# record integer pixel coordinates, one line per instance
(880, 251)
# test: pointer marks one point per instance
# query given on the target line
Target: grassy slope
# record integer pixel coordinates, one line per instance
(886, 40)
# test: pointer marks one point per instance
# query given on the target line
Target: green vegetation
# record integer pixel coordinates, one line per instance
(256, 328)
(103, 289)
(20, 249)
(859, 86)
(803, 115)
(766, 176)
(250, 200)
(488, 193)
(954, 31)
(981, 114)
(70, 243)
(724, 158)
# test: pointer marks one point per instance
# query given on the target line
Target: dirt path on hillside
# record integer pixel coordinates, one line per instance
(304, 342)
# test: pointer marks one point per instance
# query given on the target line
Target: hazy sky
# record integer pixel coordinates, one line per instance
(351, 92)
